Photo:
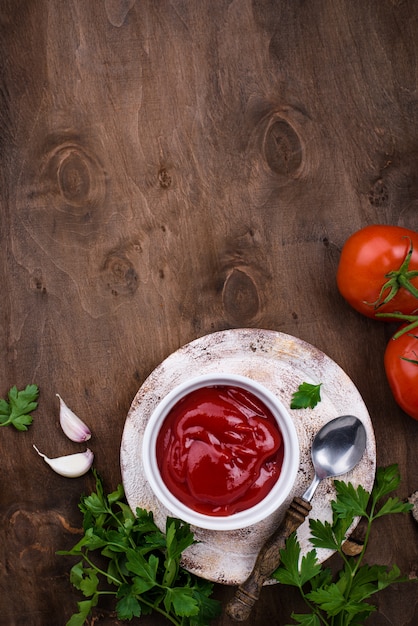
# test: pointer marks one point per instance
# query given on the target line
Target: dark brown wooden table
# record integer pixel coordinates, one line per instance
(170, 169)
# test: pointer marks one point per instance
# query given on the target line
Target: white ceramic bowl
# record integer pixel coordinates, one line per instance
(278, 493)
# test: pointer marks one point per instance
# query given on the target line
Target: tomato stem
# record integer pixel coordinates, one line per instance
(398, 278)
(412, 319)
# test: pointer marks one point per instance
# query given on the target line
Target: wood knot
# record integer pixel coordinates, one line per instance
(76, 175)
(240, 296)
(76, 178)
(164, 178)
(120, 276)
(282, 147)
(37, 282)
(379, 194)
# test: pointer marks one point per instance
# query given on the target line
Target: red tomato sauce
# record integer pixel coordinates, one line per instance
(220, 450)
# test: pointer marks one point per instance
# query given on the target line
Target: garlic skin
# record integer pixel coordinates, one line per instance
(71, 465)
(72, 425)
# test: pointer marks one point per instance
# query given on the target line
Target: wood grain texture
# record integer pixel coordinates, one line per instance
(172, 168)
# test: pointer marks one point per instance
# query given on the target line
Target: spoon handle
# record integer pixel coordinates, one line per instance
(268, 559)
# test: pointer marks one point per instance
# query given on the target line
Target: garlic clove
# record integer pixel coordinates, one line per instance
(71, 465)
(71, 424)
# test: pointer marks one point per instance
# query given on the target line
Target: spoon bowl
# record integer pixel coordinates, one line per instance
(336, 449)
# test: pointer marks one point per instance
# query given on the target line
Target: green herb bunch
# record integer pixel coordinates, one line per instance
(342, 600)
(142, 565)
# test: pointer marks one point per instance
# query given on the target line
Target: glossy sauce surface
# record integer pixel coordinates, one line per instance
(220, 450)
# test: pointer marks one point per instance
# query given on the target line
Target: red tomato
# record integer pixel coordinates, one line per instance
(378, 266)
(401, 366)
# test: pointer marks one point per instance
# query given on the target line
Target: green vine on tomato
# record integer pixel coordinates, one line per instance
(405, 328)
(401, 277)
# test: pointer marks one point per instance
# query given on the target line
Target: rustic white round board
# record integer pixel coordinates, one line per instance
(281, 363)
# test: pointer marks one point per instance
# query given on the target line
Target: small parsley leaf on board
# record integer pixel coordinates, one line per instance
(143, 570)
(17, 410)
(306, 397)
(343, 597)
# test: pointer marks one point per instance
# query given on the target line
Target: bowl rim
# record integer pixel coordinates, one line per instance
(277, 494)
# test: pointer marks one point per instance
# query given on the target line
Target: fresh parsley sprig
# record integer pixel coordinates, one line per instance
(142, 570)
(341, 600)
(307, 396)
(17, 410)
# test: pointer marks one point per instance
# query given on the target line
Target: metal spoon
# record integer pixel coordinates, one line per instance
(336, 449)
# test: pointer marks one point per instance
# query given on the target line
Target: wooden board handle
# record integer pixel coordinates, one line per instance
(268, 559)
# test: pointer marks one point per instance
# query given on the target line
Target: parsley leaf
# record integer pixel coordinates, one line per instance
(329, 599)
(307, 396)
(208, 608)
(387, 480)
(142, 564)
(17, 410)
(350, 500)
(323, 535)
(293, 573)
(128, 606)
(84, 608)
(181, 599)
